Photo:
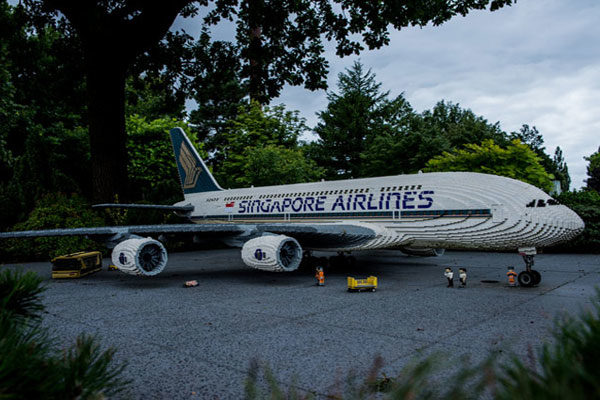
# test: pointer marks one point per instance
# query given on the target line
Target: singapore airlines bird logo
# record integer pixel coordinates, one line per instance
(188, 162)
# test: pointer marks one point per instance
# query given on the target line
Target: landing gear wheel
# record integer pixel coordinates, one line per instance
(537, 277)
(526, 279)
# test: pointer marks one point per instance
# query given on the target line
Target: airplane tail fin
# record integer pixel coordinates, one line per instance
(193, 173)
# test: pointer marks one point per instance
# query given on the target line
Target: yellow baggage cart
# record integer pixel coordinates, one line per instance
(359, 285)
(76, 265)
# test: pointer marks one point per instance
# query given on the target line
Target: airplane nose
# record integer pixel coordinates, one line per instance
(572, 222)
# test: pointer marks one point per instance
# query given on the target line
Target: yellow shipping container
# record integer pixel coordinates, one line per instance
(76, 265)
(357, 285)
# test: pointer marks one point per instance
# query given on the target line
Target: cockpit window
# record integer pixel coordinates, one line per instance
(542, 203)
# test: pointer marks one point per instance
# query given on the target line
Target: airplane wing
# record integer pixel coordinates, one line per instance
(309, 235)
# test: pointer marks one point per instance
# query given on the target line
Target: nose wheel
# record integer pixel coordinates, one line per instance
(530, 277)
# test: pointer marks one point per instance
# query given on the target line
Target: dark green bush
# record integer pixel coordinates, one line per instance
(20, 294)
(53, 212)
(586, 203)
(31, 367)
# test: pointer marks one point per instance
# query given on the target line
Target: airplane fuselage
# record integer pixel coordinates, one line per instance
(451, 210)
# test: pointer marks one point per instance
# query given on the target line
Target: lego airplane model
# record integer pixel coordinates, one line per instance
(419, 214)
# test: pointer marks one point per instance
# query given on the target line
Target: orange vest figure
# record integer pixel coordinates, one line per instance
(511, 276)
(320, 275)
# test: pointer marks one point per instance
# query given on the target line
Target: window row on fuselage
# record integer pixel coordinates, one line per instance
(323, 192)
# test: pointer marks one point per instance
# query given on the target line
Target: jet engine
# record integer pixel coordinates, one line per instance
(277, 253)
(143, 256)
(422, 251)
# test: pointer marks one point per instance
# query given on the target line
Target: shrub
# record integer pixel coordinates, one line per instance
(31, 367)
(586, 203)
(53, 212)
(20, 294)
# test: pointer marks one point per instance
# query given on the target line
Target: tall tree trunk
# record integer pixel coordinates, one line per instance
(112, 36)
(106, 107)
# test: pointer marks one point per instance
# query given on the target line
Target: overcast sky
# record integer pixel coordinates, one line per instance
(536, 63)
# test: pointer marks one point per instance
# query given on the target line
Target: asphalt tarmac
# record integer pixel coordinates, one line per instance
(198, 342)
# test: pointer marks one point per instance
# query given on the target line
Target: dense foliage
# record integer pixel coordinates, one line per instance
(262, 149)
(152, 170)
(593, 171)
(516, 161)
(32, 366)
(355, 116)
(53, 212)
(586, 203)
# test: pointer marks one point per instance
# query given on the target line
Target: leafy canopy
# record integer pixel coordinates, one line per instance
(259, 142)
(415, 138)
(593, 171)
(516, 161)
(586, 203)
(357, 113)
(152, 169)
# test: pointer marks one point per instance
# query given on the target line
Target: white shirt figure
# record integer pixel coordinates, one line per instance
(450, 276)
(462, 275)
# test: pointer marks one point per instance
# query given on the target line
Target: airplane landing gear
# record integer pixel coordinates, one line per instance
(530, 277)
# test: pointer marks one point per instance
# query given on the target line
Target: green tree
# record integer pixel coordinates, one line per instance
(39, 140)
(152, 168)
(152, 97)
(53, 212)
(593, 171)
(561, 171)
(277, 165)
(354, 116)
(254, 129)
(530, 136)
(416, 138)
(217, 88)
(516, 161)
(460, 126)
(394, 148)
(586, 203)
(111, 34)
(553, 165)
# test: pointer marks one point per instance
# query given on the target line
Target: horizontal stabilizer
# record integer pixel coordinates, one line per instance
(188, 208)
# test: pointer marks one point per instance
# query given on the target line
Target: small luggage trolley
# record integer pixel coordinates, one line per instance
(76, 265)
(360, 285)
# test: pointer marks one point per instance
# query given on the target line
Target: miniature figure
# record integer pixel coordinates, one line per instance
(462, 275)
(450, 276)
(320, 275)
(511, 274)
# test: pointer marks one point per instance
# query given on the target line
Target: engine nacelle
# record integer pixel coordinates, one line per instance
(144, 256)
(277, 253)
(422, 251)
